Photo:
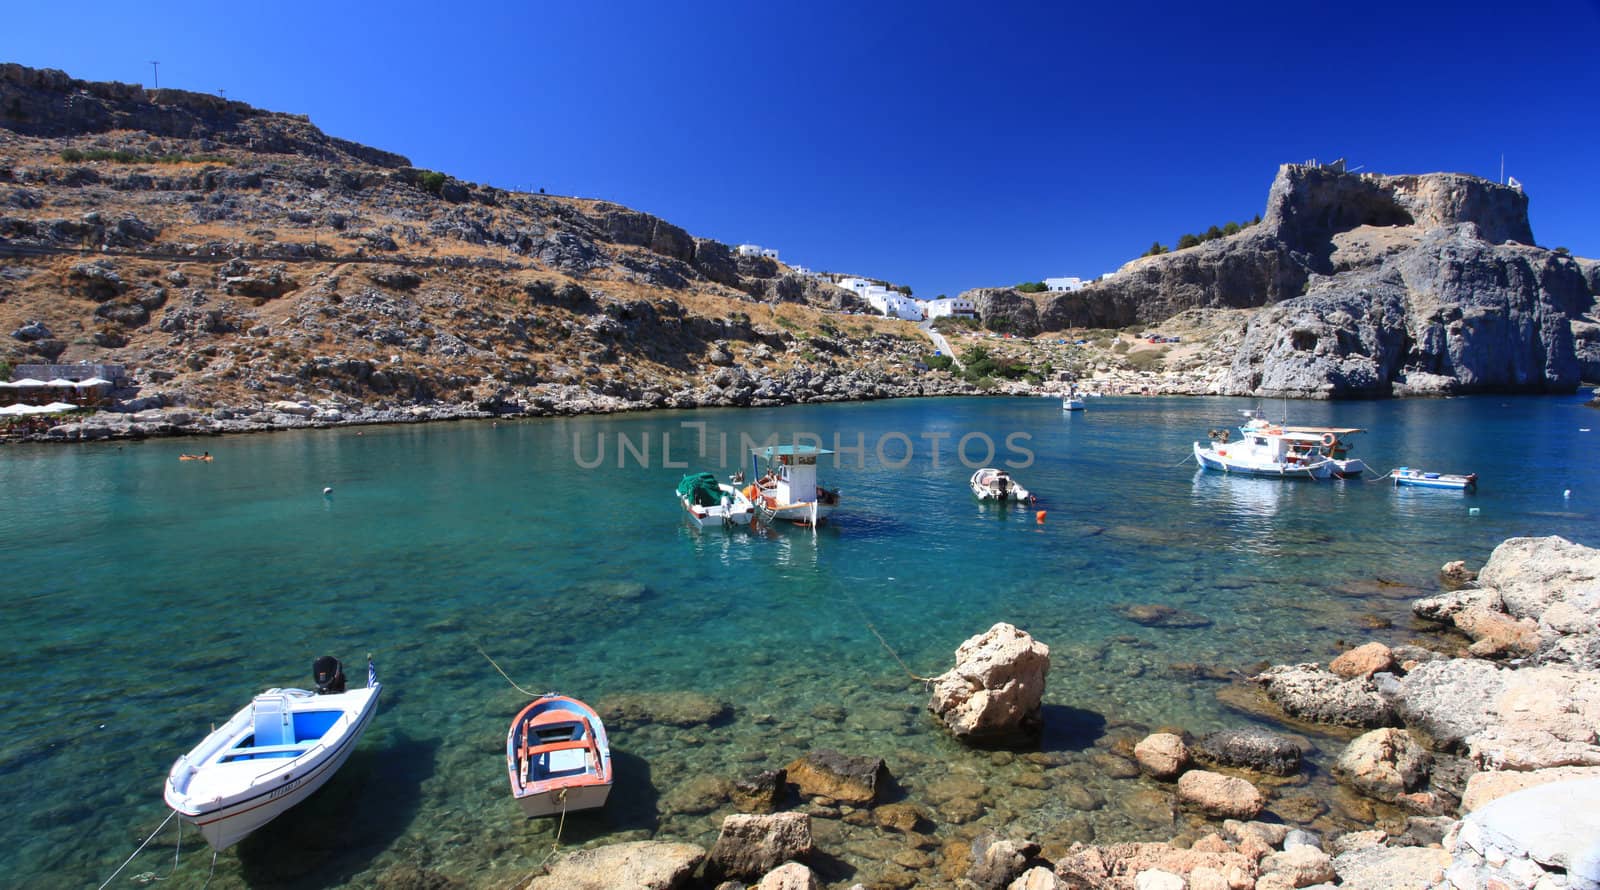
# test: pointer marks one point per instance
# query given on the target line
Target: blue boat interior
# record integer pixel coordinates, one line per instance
(554, 749)
(281, 733)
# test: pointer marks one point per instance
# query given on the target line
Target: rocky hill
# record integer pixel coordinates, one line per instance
(1365, 285)
(233, 258)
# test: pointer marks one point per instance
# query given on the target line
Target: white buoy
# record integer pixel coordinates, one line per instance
(1473, 511)
(1567, 493)
(327, 490)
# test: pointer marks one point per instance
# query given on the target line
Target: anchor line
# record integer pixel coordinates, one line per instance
(503, 673)
(141, 847)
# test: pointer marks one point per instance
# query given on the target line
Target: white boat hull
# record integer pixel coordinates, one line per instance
(227, 799)
(799, 514)
(1212, 459)
(737, 511)
(1072, 404)
(552, 803)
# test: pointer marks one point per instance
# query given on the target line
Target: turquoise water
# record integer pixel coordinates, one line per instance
(149, 599)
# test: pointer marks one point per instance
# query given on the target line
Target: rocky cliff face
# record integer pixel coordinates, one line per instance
(1369, 285)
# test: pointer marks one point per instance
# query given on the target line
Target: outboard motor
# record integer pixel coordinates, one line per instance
(328, 674)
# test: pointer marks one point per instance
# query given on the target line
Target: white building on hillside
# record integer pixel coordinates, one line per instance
(949, 306)
(884, 300)
(1059, 285)
(756, 250)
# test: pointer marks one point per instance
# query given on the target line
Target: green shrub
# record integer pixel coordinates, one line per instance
(120, 156)
(432, 181)
(1032, 287)
(938, 362)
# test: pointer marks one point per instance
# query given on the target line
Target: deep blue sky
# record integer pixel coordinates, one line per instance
(941, 145)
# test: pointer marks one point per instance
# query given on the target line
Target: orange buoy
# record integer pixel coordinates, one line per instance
(1039, 516)
(750, 492)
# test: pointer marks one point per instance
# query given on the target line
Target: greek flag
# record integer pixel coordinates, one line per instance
(372, 673)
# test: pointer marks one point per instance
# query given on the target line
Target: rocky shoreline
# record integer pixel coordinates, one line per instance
(1484, 763)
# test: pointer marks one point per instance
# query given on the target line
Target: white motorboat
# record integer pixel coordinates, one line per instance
(990, 484)
(708, 501)
(271, 755)
(786, 487)
(1265, 449)
(1072, 403)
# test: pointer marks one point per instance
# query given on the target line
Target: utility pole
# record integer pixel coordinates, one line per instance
(155, 75)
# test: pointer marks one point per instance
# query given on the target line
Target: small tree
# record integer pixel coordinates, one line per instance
(1032, 287)
(1213, 233)
(1232, 228)
(904, 289)
(1187, 241)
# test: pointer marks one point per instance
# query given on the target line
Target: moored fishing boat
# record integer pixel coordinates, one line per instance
(558, 757)
(990, 484)
(1264, 449)
(1406, 476)
(708, 501)
(786, 487)
(1072, 403)
(271, 755)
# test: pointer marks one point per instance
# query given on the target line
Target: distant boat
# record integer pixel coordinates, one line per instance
(1419, 479)
(271, 755)
(558, 757)
(1072, 403)
(786, 485)
(990, 484)
(709, 501)
(1264, 449)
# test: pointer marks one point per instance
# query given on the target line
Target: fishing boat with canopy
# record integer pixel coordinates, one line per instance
(786, 487)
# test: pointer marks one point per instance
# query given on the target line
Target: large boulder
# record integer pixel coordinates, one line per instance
(1449, 700)
(1308, 692)
(839, 777)
(1251, 749)
(789, 876)
(996, 689)
(751, 845)
(1005, 310)
(1384, 764)
(644, 865)
(1226, 797)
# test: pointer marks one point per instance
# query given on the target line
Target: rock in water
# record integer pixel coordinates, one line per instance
(1214, 794)
(825, 773)
(649, 865)
(750, 846)
(1384, 764)
(1252, 749)
(994, 692)
(1162, 755)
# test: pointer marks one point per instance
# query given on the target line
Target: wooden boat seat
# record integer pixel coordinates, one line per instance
(584, 741)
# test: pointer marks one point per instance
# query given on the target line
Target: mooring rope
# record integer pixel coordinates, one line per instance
(555, 846)
(141, 847)
(211, 872)
(503, 673)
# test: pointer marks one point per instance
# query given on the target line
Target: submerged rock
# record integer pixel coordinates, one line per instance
(1158, 615)
(669, 708)
(996, 689)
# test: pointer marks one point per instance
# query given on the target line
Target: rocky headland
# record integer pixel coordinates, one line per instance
(1357, 285)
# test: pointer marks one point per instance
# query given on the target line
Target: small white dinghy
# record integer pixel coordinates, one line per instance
(990, 484)
(271, 755)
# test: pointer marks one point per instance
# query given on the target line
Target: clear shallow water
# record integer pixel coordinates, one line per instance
(148, 599)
